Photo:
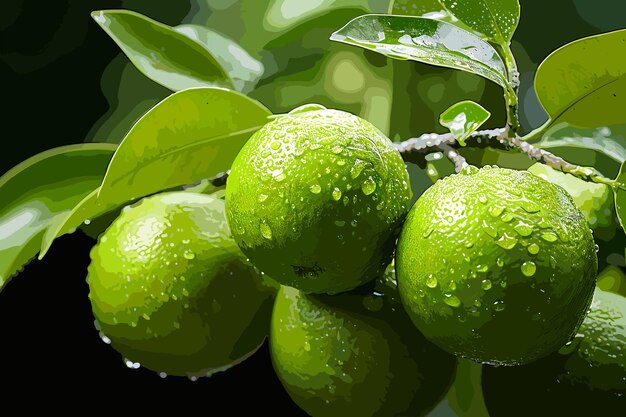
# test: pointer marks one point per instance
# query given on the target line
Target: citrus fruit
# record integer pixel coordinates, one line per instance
(585, 377)
(316, 199)
(355, 353)
(496, 265)
(170, 289)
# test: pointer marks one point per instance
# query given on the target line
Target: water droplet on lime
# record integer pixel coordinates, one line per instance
(486, 284)
(507, 242)
(528, 268)
(533, 248)
(315, 188)
(336, 194)
(451, 300)
(549, 237)
(266, 231)
(262, 197)
(368, 186)
(431, 281)
(523, 229)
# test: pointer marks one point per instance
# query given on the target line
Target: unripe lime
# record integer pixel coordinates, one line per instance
(496, 265)
(316, 199)
(355, 353)
(170, 289)
(585, 377)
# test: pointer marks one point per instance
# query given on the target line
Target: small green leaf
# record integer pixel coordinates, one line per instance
(584, 82)
(495, 19)
(190, 135)
(464, 118)
(161, 53)
(620, 196)
(244, 71)
(425, 40)
(39, 191)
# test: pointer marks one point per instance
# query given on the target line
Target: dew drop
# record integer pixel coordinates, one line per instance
(486, 284)
(339, 223)
(482, 199)
(498, 305)
(189, 254)
(275, 145)
(336, 194)
(452, 300)
(533, 248)
(469, 170)
(523, 229)
(507, 242)
(346, 200)
(262, 198)
(507, 217)
(499, 262)
(482, 268)
(495, 211)
(528, 268)
(356, 170)
(266, 232)
(337, 150)
(307, 346)
(431, 281)
(368, 186)
(315, 188)
(549, 237)
(341, 162)
(354, 223)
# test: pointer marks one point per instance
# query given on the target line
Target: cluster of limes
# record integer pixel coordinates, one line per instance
(367, 300)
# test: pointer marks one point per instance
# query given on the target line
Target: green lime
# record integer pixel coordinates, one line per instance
(587, 376)
(496, 265)
(355, 353)
(170, 289)
(316, 199)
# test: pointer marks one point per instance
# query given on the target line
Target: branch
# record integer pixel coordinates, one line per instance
(415, 150)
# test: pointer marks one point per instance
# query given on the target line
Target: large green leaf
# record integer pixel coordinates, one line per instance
(414, 7)
(464, 118)
(161, 53)
(620, 196)
(190, 135)
(244, 71)
(39, 191)
(584, 82)
(495, 19)
(425, 40)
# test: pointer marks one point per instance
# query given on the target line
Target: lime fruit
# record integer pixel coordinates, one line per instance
(496, 265)
(355, 353)
(587, 376)
(172, 291)
(316, 199)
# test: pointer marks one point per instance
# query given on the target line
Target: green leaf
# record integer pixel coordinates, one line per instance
(584, 82)
(424, 40)
(190, 135)
(495, 19)
(620, 196)
(161, 53)
(464, 118)
(431, 9)
(414, 7)
(244, 71)
(605, 146)
(84, 212)
(38, 192)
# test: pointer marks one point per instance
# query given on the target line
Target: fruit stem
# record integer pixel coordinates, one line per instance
(453, 155)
